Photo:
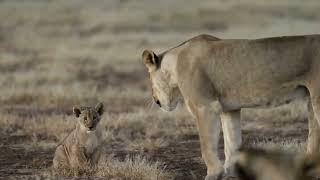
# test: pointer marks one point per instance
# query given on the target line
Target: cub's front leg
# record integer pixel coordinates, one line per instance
(95, 157)
(60, 159)
(78, 157)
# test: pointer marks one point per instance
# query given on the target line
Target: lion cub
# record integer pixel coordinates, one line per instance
(81, 147)
(257, 164)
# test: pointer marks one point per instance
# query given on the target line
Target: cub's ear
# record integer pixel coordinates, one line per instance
(76, 111)
(150, 60)
(99, 108)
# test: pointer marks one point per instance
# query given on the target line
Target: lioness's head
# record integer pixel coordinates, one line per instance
(89, 117)
(165, 91)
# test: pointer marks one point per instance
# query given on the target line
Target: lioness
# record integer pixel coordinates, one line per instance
(257, 164)
(216, 78)
(80, 148)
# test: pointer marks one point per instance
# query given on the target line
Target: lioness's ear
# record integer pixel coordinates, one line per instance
(151, 60)
(76, 111)
(99, 108)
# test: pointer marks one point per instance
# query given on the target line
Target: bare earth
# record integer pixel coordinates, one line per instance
(56, 54)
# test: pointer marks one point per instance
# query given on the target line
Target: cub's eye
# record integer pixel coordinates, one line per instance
(85, 118)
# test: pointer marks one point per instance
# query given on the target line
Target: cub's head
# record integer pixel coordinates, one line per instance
(88, 117)
(165, 91)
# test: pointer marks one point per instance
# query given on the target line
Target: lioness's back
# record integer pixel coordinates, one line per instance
(251, 72)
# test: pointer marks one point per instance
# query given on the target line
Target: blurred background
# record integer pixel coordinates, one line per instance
(55, 54)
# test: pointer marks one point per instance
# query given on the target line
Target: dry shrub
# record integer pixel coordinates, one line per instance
(133, 168)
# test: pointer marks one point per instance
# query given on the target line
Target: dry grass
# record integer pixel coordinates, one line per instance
(57, 54)
(132, 168)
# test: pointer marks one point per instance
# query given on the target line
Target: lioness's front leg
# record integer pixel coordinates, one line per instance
(232, 138)
(209, 125)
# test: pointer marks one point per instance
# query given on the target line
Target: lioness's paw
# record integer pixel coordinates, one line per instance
(215, 176)
(231, 172)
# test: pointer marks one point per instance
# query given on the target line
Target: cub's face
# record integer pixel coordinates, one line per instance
(164, 93)
(89, 117)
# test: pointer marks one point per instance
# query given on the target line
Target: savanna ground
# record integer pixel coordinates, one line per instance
(55, 54)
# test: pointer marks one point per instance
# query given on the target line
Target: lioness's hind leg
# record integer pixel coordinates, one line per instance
(314, 117)
(314, 131)
(232, 138)
(313, 85)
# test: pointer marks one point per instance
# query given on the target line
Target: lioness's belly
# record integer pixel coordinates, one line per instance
(264, 100)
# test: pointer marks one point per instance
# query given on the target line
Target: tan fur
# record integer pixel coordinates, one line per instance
(217, 78)
(255, 164)
(82, 146)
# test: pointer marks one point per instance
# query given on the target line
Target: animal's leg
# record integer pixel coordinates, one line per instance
(78, 157)
(314, 121)
(232, 138)
(60, 159)
(209, 125)
(313, 85)
(203, 102)
(96, 155)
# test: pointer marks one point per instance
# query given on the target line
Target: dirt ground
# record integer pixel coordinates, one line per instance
(55, 54)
